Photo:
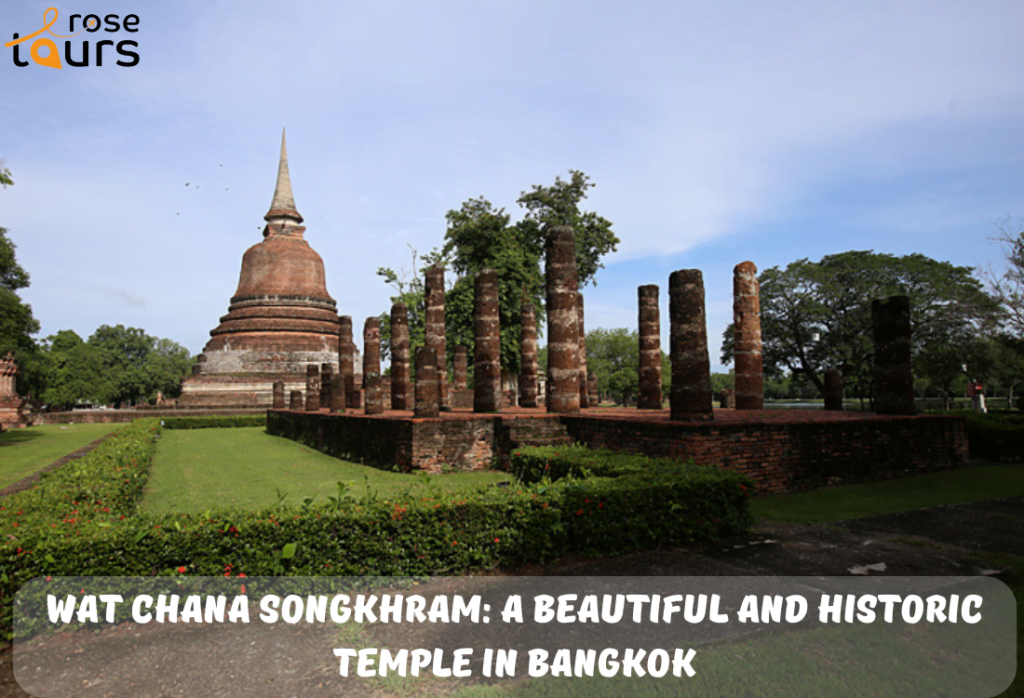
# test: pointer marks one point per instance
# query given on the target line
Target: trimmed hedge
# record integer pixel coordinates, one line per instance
(995, 436)
(82, 520)
(215, 421)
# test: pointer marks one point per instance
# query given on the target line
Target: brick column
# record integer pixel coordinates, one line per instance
(326, 378)
(581, 359)
(337, 403)
(312, 388)
(460, 366)
(279, 395)
(563, 385)
(595, 399)
(426, 383)
(746, 306)
(728, 399)
(371, 347)
(346, 358)
(649, 322)
(400, 357)
(690, 395)
(834, 389)
(894, 382)
(374, 393)
(527, 355)
(434, 328)
(487, 338)
(295, 400)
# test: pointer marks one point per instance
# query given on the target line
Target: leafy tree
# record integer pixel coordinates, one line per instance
(614, 357)
(1007, 286)
(816, 315)
(17, 324)
(75, 372)
(559, 205)
(137, 365)
(479, 236)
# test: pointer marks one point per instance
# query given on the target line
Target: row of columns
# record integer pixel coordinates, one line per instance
(570, 385)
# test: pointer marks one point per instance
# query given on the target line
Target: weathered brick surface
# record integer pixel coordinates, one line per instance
(401, 393)
(781, 452)
(690, 394)
(487, 343)
(650, 397)
(460, 367)
(834, 389)
(527, 355)
(374, 394)
(747, 328)
(434, 327)
(371, 347)
(278, 395)
(563, 385)
(427, 398)
(894, 381)
(581, 360)
(312, 388)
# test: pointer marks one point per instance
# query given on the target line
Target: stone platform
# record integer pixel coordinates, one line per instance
(782, 450)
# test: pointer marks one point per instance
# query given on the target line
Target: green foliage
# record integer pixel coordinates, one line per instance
(215, 421)
(614, 357)
(17, 324)
(613, 502)
(137, 365)
(82, 520)
(817, 315)
(479, 236)
(995, 436)
(559, 205)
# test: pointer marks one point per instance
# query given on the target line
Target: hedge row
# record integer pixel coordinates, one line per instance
(215, 421)
(996, 436)
(633, 505)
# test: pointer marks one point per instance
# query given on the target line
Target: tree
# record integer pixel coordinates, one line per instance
(479, 236)
(137, 365)
(1007, 286)
(559, 205)
(17, 324)
(74, 372)
(817, 315)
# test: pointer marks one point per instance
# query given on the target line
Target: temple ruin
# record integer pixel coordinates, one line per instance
(280, 319)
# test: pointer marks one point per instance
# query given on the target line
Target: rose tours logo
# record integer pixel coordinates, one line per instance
(44, 51)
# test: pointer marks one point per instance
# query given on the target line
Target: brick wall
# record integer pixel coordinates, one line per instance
(787, 457)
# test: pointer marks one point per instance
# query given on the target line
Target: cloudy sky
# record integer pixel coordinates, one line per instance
(715, 132)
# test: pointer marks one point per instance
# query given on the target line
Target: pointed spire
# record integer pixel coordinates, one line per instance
(282, 209)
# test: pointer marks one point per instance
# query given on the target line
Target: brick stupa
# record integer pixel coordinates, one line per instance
(280, 320)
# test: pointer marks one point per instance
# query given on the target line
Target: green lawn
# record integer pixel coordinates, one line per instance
(199, 469)
(968, 484)
(24, 451)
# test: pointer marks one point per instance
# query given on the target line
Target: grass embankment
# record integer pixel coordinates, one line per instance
(970, 484)
(24, 451)
(200, 469)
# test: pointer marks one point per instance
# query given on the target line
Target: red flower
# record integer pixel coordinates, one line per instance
(497, 539)
(181, 569)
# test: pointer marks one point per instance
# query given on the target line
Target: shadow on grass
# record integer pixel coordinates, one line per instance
(17, 436)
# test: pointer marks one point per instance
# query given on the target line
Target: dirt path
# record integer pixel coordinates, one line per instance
(29, 481)
(948, 540)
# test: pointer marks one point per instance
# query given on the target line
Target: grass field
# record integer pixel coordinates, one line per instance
(199, 469)
(24, 451)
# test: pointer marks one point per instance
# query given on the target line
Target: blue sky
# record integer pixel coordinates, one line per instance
(715, 132)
